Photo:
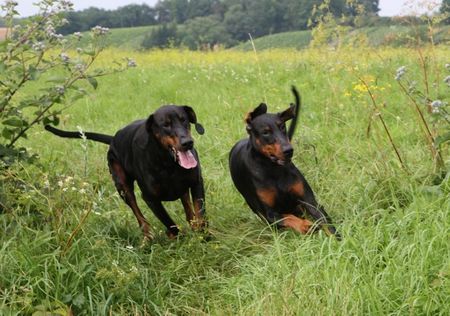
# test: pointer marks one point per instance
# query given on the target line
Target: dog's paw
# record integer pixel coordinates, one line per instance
(148, 238)
(298, 224)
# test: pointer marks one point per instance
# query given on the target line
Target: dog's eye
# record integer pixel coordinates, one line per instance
(266, 133)
(283, 128)
(166, 124)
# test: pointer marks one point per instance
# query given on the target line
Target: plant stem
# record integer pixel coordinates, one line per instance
(428, 135)
(378, 113)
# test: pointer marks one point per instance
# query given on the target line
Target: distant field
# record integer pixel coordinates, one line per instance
(394, 36)
(127, 38)
(69, 245)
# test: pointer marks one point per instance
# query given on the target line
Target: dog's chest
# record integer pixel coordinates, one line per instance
(169, 185)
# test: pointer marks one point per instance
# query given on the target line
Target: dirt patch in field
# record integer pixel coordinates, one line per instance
(2, 33)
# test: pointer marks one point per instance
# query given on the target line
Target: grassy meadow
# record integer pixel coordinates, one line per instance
(69, 244)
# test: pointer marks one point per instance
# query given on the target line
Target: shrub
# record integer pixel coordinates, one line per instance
(162, 37)
(34, 51)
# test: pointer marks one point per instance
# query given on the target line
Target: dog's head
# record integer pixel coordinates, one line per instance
(170, 125)
(268, 134)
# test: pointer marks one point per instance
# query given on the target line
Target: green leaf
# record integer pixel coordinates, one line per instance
(56, 79)
(27, 103)
(89, 52)
(442, 139)
(14, 121)
(34, 73)
(79, 300)
(93, 82)
(7, 133)
(51, 120)
(2, 66)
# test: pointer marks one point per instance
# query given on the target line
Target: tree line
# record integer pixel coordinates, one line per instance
(199, 23)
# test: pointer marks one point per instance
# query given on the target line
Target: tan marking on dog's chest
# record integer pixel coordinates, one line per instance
(297, 188)
(267, 196)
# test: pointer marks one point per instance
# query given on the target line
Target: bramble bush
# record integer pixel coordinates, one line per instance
(34, 51)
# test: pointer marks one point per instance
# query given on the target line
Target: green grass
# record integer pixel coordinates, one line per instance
(68, 241)
(297, 40)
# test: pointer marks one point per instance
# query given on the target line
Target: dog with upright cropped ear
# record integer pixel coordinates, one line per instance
(262, 171)
(158, 153)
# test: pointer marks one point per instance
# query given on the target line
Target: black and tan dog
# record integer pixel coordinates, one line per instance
(158, 154)
(263, 173)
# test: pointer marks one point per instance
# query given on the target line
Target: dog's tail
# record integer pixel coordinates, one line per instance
(102, 138)
(297, 112)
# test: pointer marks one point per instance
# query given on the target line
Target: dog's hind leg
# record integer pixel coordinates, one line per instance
(125, 188)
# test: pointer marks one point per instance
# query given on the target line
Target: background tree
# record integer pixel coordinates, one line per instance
(204, 33)
(238, 22)
(163, 36)
(445, 9)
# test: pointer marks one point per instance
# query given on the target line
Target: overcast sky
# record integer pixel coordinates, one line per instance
(388, 7)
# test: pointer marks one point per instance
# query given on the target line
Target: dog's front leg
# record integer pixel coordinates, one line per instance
(307, 201)
(161, 213)
(198, 198)
(267, 198)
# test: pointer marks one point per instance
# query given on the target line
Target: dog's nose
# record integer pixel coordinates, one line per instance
(187, 144)
(288, 152)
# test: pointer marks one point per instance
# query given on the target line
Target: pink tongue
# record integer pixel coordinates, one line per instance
(186, 159)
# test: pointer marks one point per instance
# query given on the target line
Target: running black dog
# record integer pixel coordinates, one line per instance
(263, 173)
(158, 153)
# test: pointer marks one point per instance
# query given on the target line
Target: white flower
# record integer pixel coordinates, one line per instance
(57, 36)
(60, 89)
(447, 80)
(11, 3)
(99, 30)
(79, 67)
(436, 104)
(64, 57)
(131, 62)
(65, 5)
(400, 72)
(38, 46)
(50, 30)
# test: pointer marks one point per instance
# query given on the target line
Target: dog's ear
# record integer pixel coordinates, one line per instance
(288, 113)
(149, 123)
(259, 110)
(193, 119)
